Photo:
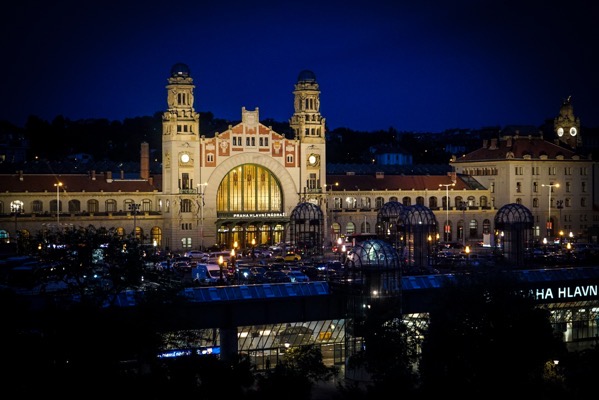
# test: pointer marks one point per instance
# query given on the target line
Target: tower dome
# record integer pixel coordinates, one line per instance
(180, 69)
(306, 76)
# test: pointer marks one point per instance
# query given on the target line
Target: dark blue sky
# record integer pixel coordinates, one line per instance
(412, 65)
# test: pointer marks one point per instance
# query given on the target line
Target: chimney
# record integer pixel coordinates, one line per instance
(151, 180)
(122, 174)
(144, 168)
(93, 174)
(493, 144)
(21, 175)
(485, 143)
(509, 142)
(108, 176)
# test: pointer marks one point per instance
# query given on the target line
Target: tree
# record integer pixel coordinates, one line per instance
(486, 335)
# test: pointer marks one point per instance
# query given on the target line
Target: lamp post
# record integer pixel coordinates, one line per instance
(549, 225)
(446, 228)
(134, 207)
(339, 241)
(329, 209)
(58, 185)
(16, 207)
(253, 249)
(201, 194)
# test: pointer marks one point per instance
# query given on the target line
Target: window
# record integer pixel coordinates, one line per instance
(312, 182)
(568, 171)
(433, 202)
(186, 243)
(420, 200)
(185, 205)
(518, 187)
(406, 201)
(365, 227)
(583, 187)
(74, 206)
(535, 187)
(365, 202)
(518, 171)
(350, 228)
(351, 202)
(110, 205)
(93, 206)
(379, 202)
(552, 171)
(535, 203)
(568, 187)
(37, 206)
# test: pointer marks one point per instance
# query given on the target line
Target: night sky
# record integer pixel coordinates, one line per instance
(422, 66)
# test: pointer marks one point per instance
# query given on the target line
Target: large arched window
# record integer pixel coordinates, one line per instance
(249, 188)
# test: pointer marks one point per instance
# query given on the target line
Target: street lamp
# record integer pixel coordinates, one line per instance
(329, 209)
(549, 225)
(134, 207)
(447, 229)
(201, 194)
(58, 185)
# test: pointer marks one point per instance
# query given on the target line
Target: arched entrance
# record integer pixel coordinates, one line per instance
(249, 205)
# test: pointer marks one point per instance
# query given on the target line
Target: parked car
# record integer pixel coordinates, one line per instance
(290, 257)
(298, 276)
(275, 276)
(196, 254)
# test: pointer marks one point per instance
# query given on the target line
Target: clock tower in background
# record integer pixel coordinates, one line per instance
(181, 162)
(309, 128)
(567, 126)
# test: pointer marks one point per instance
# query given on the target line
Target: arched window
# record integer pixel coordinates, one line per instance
(74, 206)
(37, 206)
(433, 202)
(110, 205)
(93, 206)
(350, 228)
(238, 192)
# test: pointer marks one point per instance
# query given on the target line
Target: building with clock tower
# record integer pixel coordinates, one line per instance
(567, 126)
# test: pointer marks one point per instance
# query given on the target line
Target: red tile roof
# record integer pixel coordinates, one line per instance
(75, 183)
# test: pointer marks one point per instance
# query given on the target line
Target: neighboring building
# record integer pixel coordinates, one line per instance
(244, 183)
(551, 179)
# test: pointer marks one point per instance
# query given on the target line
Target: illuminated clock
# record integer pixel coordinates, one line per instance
(560, 131)
(312, 159)
(184, 158)
(573, 131)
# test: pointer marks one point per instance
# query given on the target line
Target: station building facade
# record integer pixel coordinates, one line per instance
(239, 187)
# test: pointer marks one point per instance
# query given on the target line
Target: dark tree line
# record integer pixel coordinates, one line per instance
(119, 141)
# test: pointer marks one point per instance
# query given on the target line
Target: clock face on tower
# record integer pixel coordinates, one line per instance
(560, 131)
(573, 131)
(184, 158)
(312, 160)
